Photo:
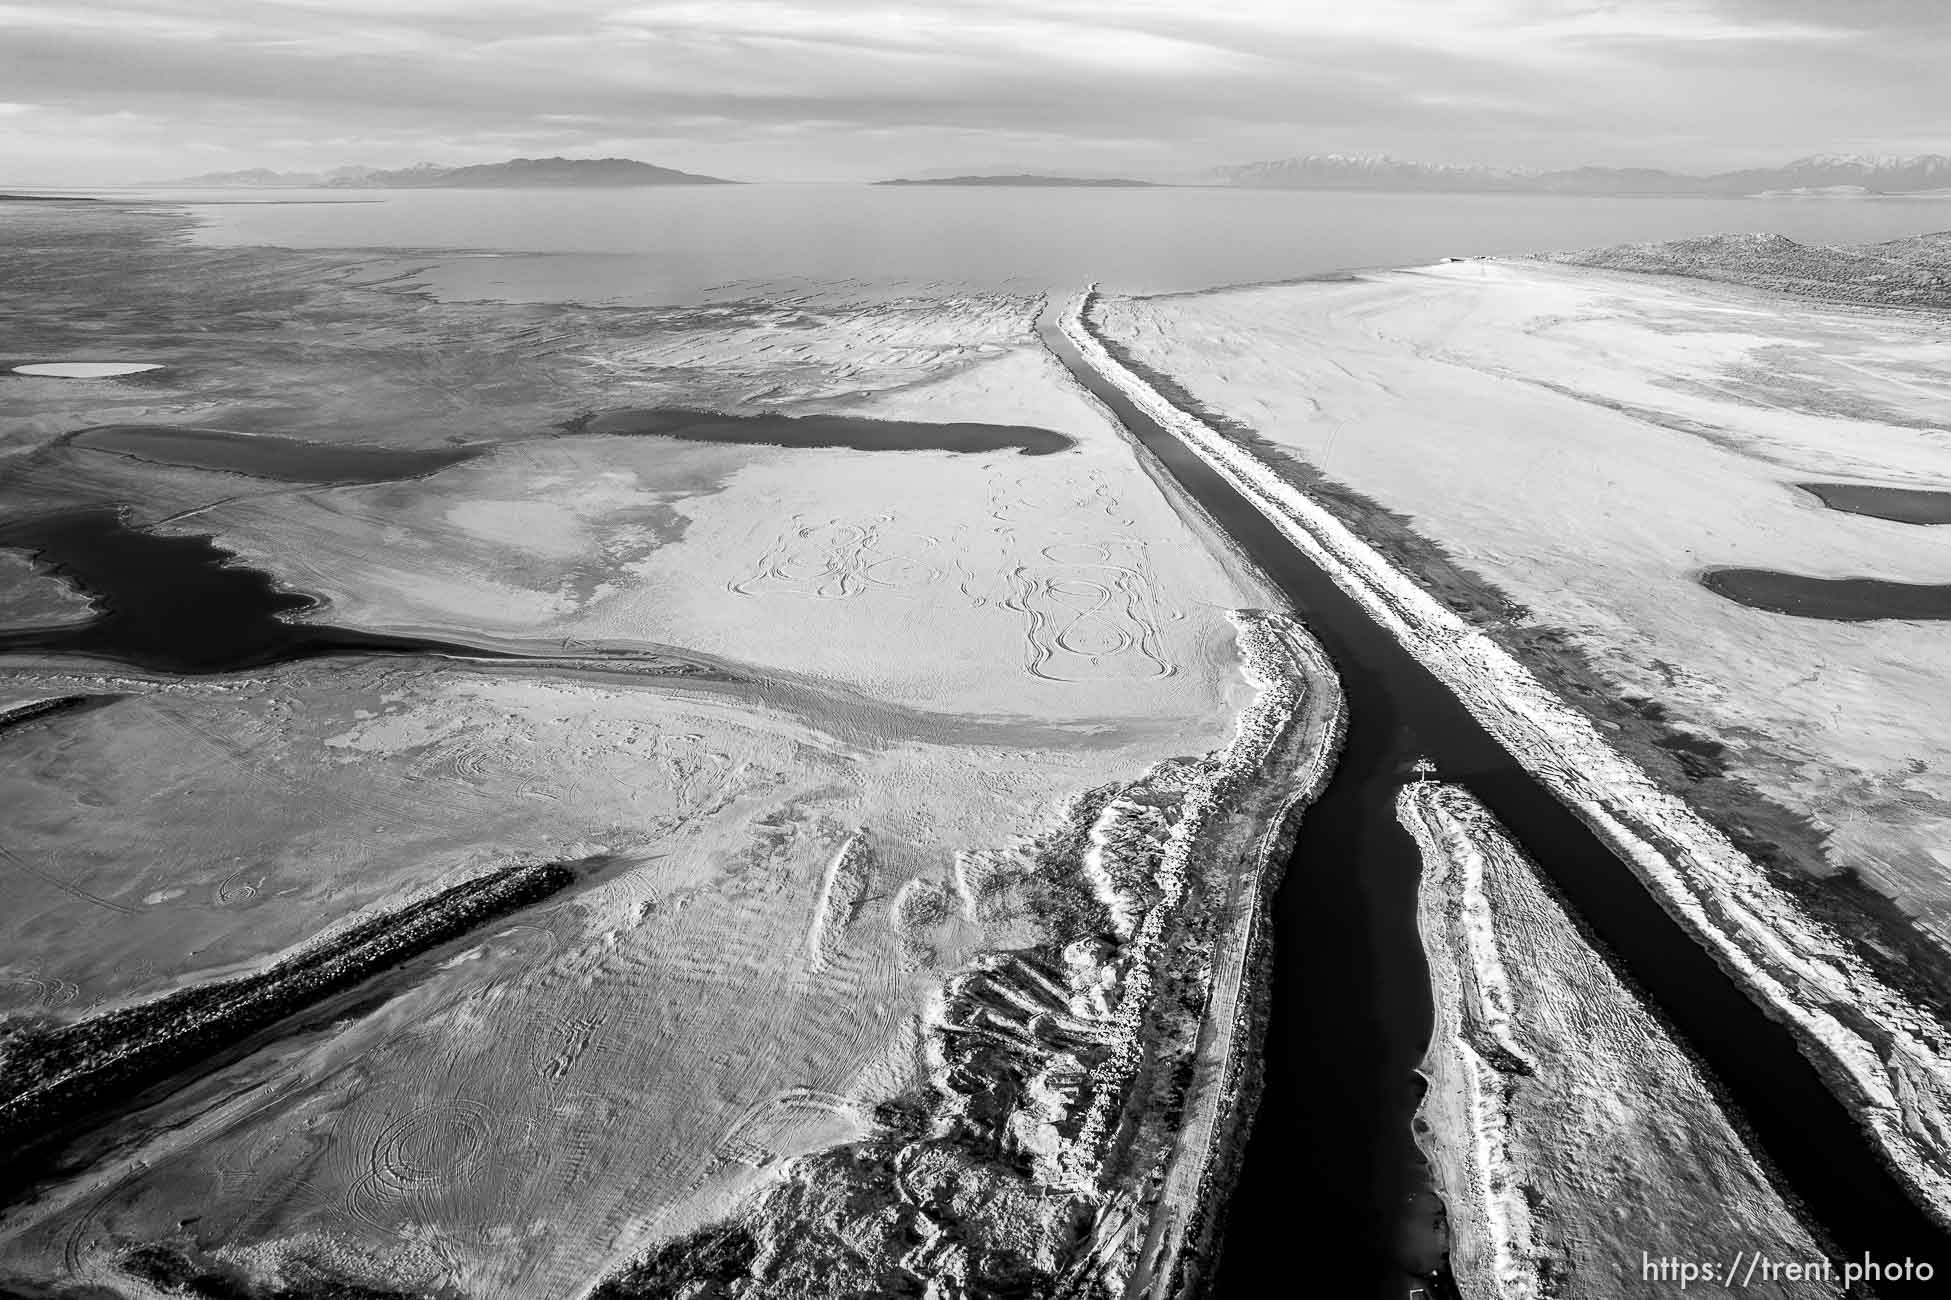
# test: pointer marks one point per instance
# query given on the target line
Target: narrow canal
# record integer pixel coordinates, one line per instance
(1331, 1193)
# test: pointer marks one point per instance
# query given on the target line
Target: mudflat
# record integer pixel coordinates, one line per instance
(877, 750)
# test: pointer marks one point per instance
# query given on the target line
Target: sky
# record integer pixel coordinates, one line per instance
(116, 91)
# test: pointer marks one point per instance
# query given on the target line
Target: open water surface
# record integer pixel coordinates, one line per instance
(699, 243)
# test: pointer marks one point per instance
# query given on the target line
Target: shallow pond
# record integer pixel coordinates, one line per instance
(826, 431)
(1845, 600)
(1901, 505)
(176, 604)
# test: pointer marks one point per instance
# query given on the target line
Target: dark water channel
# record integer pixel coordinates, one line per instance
(1325, 1203)
(177, 604)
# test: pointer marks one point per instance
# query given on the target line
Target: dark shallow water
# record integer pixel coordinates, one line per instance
(1901, 505)
(177, 604)
(825, 431)
(1331, 1173)
(288, 460)
(1844, 600)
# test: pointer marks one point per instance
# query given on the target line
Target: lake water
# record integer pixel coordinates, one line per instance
(650, 246)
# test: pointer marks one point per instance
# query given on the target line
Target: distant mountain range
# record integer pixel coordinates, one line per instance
(516, 173)
(1030, 180)
(253, 178)
(1815, 175)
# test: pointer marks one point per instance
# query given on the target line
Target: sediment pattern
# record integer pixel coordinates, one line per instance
(1887, 1058)
(841, 892)
(1079, 1093)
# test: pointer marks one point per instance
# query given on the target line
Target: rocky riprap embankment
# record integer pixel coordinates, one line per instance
(54, 1076)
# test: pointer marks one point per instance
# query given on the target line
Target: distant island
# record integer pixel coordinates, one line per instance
(1022, 181)
(516, 173)
(1816, 176)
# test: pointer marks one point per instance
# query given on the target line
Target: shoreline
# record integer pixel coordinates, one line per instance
(1235, 1023)
(1201, 1228)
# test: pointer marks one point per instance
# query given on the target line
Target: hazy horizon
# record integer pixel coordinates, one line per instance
(138, 90)
(1005, 170)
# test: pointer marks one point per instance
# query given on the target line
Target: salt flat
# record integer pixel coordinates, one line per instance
(834, 737)
(1588, 442)
(981, 582)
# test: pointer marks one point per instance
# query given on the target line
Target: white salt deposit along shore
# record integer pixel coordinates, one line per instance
(1885, 1057)
(84, 369)
(1569, 1135)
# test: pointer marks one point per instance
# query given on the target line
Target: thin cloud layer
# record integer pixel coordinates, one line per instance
(806, 89)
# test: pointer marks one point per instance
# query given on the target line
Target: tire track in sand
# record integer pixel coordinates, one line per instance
(1088, 616)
